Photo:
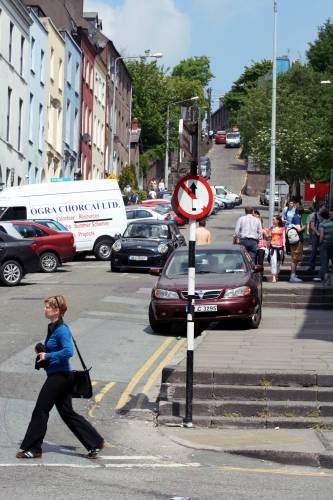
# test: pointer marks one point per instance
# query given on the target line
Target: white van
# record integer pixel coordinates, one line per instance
(93, 211)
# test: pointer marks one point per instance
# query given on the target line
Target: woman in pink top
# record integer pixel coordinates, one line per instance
(277, 247)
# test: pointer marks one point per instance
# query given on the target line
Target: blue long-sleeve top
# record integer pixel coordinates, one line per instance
(59, 348)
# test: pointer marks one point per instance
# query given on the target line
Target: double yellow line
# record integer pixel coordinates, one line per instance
(139, 374)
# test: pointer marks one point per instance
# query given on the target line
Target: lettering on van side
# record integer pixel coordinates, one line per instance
(75, 207)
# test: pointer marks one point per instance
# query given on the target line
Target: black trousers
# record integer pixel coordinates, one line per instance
(56, 391)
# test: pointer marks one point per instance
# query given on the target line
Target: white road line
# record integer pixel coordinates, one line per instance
(130, 457)
(108, 466)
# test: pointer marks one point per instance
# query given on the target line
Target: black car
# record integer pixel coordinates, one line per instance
(146, 244)
(17, 258)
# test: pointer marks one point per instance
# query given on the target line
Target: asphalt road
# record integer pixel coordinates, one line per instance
(108, 317)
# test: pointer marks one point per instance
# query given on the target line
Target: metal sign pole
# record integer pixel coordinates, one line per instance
(330, 193)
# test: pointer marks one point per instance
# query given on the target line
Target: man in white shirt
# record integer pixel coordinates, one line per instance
(248, 232)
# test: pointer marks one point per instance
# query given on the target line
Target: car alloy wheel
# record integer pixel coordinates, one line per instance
(255, 319)
(11, 273)
(49, 262)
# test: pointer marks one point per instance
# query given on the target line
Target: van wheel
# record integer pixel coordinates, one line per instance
(102, 249)
(11, 273)
(49, 262)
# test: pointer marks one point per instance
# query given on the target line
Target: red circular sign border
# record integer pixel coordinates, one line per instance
(206, 211)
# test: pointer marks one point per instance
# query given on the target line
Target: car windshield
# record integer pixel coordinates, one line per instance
(233, 135)
(216, 262)
(221, 191)
(159, 231)
(161, 209)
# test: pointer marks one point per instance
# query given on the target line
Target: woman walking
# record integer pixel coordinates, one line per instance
(54, 358)
(277, 246)
(262, 245)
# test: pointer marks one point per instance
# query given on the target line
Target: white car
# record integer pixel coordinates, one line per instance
(226, 193)
(136, 212)
(232, 140)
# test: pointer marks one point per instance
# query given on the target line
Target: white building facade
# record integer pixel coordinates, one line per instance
(98, 142)
(15, 23)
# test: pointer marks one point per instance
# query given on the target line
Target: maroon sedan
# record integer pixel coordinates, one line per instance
(220, 137)
(53, 247)
(227, 287)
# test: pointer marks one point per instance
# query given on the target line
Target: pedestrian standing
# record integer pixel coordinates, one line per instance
(161, 188)
(54, 357)
(248, 232)
(316, 219)
(326, 243)
(277, 246)
(202, 234)
(296, 247)
(262, 244)
(287, 217)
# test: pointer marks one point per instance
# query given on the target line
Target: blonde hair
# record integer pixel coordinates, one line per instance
(57, 302)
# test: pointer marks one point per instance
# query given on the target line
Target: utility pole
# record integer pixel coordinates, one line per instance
(273, 128)
(208, 124)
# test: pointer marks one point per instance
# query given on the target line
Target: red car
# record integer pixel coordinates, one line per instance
(166, 203)
(227, 287)
(53, 247)
(220, 137)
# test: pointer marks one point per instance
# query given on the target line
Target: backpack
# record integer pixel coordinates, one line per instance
(292, 234)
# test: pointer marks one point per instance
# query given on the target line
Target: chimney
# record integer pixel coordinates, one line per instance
(135, 124)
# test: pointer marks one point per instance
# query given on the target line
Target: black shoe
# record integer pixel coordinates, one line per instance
(92, 454)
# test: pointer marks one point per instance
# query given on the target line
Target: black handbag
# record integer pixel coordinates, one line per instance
(81, 387)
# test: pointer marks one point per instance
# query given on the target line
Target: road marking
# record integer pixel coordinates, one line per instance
(104, 466)
(284, 472)
(100, 396)
(129, 457)
(137, 377)
(158, 370)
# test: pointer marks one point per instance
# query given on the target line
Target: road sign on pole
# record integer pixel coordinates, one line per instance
(193, 197)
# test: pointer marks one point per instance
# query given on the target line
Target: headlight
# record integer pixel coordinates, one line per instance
(162, 248)
(165, 294)
(116, 246)
(242, 291)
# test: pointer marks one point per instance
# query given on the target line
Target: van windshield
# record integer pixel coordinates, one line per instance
(2, 211)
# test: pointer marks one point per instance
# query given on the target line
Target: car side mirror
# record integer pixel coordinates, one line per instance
(258, 268)
(155, 271)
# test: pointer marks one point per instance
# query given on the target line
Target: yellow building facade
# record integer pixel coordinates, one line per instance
(54, 102)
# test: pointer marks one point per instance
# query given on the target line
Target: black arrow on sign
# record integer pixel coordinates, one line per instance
(193, 188)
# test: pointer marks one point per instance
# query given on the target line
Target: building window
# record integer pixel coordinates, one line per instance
(94, 131)
(87, 72)
(77, 68)
(76, 131)
(91, 81)
(60, 75)
(98, 134)
(102, 138)
(40, 128)
(32, 54)
(36, 174)
(29, 172)
(31, 117)
(86, 122)
(69, 68)
(52, 63)
(90, 123)
(42, 67)
(83, 114)
(9, 96)
(19, 131)
(68, 121)
(21, 55)
(10, 47)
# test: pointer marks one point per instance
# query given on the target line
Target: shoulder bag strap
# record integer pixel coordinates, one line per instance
(77, 350)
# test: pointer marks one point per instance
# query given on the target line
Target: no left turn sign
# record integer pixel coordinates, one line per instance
(193, 197)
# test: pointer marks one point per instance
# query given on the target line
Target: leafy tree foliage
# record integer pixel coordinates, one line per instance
(320, 53)
(194, 68)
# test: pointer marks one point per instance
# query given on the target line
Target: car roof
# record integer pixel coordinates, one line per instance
(150, 222)
(212, 248)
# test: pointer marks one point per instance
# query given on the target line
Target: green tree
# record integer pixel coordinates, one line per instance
(194, 68)
(320, 53)
(234, 99)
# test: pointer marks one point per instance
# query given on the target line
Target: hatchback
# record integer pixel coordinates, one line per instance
(17, 258)
(220, 137)
(53, 247)
(227, 287)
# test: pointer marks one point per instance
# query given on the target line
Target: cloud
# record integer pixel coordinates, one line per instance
(137, 25)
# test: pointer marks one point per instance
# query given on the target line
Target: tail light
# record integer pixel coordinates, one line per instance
(33, 247)
(166, 217)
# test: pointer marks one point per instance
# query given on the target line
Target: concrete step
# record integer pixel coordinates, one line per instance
(202, 392)
(239, 409)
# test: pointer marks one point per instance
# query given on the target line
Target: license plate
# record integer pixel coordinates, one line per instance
(138, 257)
(205, 308)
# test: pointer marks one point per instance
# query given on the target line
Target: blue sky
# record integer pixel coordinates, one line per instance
(232, 33)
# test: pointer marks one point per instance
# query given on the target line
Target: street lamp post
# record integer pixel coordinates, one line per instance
(166, 164)
(273, 129)
(157, 55)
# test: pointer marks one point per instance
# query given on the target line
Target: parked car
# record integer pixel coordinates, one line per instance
(226, 193)
(226, 203)
(220, 137)
(205, 167)
(232, 140)
(166, 203)
(53, 247)
(264, 198)
(146, 244)
(17, 258)
(140, 212)
(52, 224)
(227, 287)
